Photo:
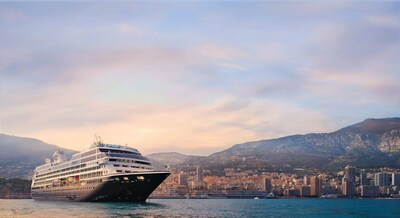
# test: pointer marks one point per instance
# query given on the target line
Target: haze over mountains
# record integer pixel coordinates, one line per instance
(368, 144)
(371, 143)
(171, 158)
(19, 155)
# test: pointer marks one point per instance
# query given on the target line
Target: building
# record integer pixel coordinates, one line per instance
(197, 185)
(306, 180)
(349, 181)
(292, 192)
(199, 173)
(383, 179)
(305, 191)
(393, 190)
(369, 191)
(363, 178)
(396, 179)
(315, 186)
(267, 185)
(347, 187)
(182, 179)
(350, 173)
(212, 186)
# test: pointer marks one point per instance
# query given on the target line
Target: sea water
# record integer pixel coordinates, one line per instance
(206, 208)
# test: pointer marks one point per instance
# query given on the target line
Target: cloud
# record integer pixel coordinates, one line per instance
(11, 15)
(70, 111)
(387, 21)
(188, 127)
(354, 46)
(219, 52)
(197, 83)
(128, 28)
(312, 7)
(355, 59)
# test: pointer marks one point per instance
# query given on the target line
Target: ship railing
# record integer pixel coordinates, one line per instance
(127, 156)
(102, 155)
(103, 161)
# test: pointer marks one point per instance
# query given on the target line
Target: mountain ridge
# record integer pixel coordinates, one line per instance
(374, 125)
(171, 158)
(20, 155)
(371, 143)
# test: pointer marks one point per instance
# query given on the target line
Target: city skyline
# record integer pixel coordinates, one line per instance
(194, 77)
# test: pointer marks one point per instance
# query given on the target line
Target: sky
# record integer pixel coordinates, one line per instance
(194, 77)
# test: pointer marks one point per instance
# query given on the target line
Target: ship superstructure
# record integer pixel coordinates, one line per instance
(105, 172)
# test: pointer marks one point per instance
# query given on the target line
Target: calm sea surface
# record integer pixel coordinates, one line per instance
(206, 208)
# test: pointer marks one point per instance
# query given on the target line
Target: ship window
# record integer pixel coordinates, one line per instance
(116, 165)
(88, 153)
(119, 171)
(140, 177)
(124, 165)
(141, 162)
(89, 159)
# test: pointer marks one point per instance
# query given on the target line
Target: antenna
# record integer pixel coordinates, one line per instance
(97, 140)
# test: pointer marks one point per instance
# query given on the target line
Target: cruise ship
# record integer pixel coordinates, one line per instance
(105, 172)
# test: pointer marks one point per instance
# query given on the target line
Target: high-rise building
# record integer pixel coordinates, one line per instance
(267, 185)
(363, 178)
(349, 181)
(383, 179)
(306, 180)
(182, 179)
(316, 186)
(369, 191)
(305, 191)
(396, 179)
(347, 187)
(199, 174)
(350, 173)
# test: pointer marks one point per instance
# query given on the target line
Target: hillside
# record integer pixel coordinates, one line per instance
(371, 143)
(19, 155)
(171, 158)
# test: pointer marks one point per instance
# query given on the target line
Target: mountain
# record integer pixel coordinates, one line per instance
(371, 143)
(170, 158)
(19, 155)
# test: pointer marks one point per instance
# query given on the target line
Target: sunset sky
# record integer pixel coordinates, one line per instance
(194, 77)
